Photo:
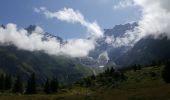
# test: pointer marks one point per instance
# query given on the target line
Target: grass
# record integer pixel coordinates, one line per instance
(140, 85)
(145, 84)
(76, 93)
(140, 91)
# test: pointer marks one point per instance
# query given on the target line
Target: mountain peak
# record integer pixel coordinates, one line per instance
(119, 30)
(3, 26)
(46, 35)
(31, 28)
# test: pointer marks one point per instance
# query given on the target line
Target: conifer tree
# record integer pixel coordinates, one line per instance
(54, 85)
(112, 71)
(31, 85)
(8, 82)
(166, 72)
(47, 88)
(18, 85)
(2, 83)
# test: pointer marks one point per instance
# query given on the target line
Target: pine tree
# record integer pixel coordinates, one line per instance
(88, 82)
(2, 83)
(135, 68)
(123, 77)
(139, 67)
(165, 72)
(18, 85)
(93, 77)
(8, 82)
(31, 85)
(112, 71)
(47, 88)
(54, 85)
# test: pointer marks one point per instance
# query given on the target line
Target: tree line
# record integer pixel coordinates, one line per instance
(17, 85)
(110, 77)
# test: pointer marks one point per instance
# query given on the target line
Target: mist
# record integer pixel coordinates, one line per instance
(154, 21)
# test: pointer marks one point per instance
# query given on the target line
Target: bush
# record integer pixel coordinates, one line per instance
(166, 72)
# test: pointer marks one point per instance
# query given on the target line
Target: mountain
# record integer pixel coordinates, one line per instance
(46, 35)
(68, 70)
(15, 61)
(146, 51)
(113, 53)
(119, 30)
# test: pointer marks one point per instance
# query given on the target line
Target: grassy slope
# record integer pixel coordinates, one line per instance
(141, 85)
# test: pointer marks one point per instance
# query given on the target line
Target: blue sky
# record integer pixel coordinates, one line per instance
(21, 13)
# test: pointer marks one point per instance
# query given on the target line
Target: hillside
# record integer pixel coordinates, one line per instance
(143, 84)
(146, 51)
(14, 61)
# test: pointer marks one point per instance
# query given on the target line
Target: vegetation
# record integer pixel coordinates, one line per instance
(166, 72)
(18, 85)
(13, 61)
(31, 85)
(110, 77)
(5, 82)
(51, 86)
(144, 83)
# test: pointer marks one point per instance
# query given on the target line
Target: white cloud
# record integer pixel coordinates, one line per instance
(78, 47)
(71, 16)
(123, 4)
(34, 41)
(154, 21)
(109, 39)
(156, 17)
(36, 10)
(103, 58)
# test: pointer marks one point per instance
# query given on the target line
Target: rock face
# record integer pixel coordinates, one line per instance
(119, 30)
(47, 35)
(146, 51)
(113, 52)
(104, 52)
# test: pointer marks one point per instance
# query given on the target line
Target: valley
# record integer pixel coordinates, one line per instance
(140, 85)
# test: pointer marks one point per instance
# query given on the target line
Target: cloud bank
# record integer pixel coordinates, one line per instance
(154, 21)
(71, 16)
(34, 41)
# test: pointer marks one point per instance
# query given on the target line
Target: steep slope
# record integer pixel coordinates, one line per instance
(46, 35)
(113, 52)
(14, 61)
(119, 30)
(146, 50)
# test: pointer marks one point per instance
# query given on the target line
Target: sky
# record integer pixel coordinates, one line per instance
(105, 12)
(80, 23)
